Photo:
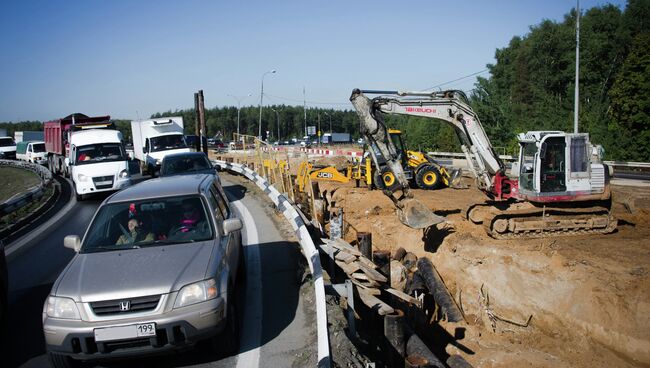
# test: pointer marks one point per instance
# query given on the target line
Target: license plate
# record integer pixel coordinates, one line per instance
(125, 332)
(103, 182)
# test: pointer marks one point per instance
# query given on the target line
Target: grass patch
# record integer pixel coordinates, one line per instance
(15, 181)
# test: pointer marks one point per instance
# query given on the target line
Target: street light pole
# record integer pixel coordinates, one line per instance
(277, 115)
(239, 99)
(261, 101)
(329, 116)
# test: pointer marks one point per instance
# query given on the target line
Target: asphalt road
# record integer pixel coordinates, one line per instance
(274, 329)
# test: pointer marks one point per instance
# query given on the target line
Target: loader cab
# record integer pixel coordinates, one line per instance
(396, 137)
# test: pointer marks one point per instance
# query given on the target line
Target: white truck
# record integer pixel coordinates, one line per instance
(98, 162)
(7, 148)
(154, 139)
(31, 151)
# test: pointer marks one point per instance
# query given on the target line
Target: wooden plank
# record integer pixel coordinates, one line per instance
(345, 246)
(365, 283)
(345, 257)
(348, 268)
(407, 298)
(368, 263)
(373, 303)
(374, 275)
(371, 290)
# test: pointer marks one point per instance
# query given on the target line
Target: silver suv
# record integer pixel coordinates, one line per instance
(156, 271)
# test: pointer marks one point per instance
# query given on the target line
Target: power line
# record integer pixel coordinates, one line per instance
(458, 79)
(309, 102)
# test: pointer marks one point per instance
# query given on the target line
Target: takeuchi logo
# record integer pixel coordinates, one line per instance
(426, 110)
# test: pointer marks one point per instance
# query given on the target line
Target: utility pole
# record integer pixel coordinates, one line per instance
(204, 147)
(304, 108)
(577, 88)
(197, 123)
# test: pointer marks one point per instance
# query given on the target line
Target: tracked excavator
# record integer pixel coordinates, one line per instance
(559, 187)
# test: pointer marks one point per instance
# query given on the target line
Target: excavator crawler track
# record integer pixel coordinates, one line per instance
(549, 222)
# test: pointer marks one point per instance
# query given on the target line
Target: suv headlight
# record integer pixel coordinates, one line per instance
(82, 177)
(196, 293)
(124, 174)
(65, 308)
(158, 162)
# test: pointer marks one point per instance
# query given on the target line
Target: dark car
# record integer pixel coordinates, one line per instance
(186, 163)
(192, 140)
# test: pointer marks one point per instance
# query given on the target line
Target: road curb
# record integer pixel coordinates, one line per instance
(289, 211)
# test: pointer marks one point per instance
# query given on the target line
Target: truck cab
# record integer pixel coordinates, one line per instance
(7, 148)
(156, 138)
(98, 162)
(32, 151)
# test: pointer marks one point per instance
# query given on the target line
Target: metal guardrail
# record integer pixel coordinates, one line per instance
(634, 166)
(16, 202)
(290, 212)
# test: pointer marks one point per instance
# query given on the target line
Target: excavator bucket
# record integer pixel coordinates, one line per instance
(454, 179)
(416, 215)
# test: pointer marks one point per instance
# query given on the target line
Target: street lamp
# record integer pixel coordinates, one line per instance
(239, 99)
(262, 100)
(278, 118)
(330, 116)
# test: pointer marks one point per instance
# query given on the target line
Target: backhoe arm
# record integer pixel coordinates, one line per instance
(410, 212)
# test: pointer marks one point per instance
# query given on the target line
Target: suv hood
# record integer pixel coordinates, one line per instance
(134, 272)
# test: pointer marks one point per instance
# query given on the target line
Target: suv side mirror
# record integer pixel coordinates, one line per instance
(73, 242)
(231, 225)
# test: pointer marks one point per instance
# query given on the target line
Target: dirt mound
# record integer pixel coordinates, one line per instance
(587, 297)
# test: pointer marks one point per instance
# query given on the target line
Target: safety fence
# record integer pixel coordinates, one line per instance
(16, 202)
(294, 217)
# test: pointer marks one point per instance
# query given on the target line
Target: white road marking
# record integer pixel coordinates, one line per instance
(252, 326)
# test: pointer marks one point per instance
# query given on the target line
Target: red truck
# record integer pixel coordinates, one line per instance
(57, 138)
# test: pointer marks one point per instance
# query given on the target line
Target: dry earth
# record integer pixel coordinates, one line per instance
(589, 295)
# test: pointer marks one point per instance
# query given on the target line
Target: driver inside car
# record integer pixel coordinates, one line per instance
(135, 234)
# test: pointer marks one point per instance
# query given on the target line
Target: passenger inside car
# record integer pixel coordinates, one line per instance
(135, 234)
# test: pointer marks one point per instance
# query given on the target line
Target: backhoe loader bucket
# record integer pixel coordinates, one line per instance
(416, 215)
(454, 179)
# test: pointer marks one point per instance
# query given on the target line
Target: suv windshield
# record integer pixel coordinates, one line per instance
(5, 142)
(99, 152)
(151, 222)
(167, 142)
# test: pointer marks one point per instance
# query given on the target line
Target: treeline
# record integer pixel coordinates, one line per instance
(531, 85)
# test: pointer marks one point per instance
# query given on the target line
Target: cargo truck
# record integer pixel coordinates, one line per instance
(31, 151)
(28, 136)
(156, 138)
(329, 138)
(90, 151)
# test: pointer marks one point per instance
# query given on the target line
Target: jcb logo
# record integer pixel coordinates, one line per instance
(325, 175)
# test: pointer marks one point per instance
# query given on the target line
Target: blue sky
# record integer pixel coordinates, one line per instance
(134, 58)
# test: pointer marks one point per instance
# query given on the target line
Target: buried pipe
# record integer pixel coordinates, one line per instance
(457, 361)
(395, 338)
(439, 290)
(417, 351)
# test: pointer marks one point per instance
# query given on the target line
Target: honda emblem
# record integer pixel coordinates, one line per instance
(125, 305)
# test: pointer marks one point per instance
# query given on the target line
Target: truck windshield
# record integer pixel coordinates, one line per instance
(100, 152)
(167, 142)
(5, 142)
(150, 222)
(38, 147)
